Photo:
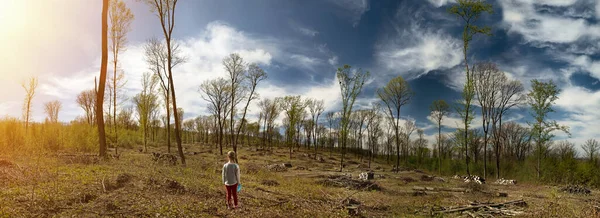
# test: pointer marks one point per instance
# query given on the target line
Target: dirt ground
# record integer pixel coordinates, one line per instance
(136, 186)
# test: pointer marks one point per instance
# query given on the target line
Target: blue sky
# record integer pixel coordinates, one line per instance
(301, 43)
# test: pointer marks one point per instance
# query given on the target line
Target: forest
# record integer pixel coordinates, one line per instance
(118, 133)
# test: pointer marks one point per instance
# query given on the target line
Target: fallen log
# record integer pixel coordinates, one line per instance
(418, 188)
(471, 207)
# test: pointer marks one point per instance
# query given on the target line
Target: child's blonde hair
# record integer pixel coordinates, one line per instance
(231, 155)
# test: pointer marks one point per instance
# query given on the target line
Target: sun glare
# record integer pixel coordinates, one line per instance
(12, 14)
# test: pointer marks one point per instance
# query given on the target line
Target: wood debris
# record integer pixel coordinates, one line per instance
(487, 209)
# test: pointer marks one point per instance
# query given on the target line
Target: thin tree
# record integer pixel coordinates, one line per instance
(146, 102)
(216, 92)
(517, 139)
(487, 80)
(510, 95)
(253, 77)
(120, 19)
(361, 119)
(421, 145)
(469, 11)
(408, 129)
(591, 147)
(351, 84)
(101, 86)
(165, 11)
(269, 110)
(87, 101)
(316, 108)
(439, 109)
(394, 95)
(51, 109)
(29, 87)
(330, 120)
(540, 98)
(156, 57)
(373, 130)
(236, 69)
(293, 107)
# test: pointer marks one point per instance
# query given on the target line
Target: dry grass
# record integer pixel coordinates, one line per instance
(135, 186)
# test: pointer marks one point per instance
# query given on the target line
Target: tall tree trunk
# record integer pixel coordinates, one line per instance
(115, 102)
(440, 147)
(498, 140)
(467, 107)
(168, 121)
(175, 112)
(485, 143)
(100, 94)
(397, 140)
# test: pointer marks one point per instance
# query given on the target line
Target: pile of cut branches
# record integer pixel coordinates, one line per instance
(477, 209)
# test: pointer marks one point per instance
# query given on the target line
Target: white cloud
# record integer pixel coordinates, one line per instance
(333, 61)
(354, 8)
(521, 16)
(597, 9)
(302, 61)
(559, 3)
(581, 106)
(307, 31)
(440, 3)
(204, 53)
(416, 51)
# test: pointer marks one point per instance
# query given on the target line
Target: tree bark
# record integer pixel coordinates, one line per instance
(100, 94)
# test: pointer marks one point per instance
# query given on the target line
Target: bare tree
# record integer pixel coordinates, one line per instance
(316, 108)
(591, 147)
(351, 84)
(361, 119)
(51, 109)
(420, 146)
(236, 69)
(101, 86)
(270, 110)
(565, 150)
(439, 109)
(373, 130)
(216, 92)
(488, 80)
(156, 57)
(516, 141)
(330, 120)
(29, 87)
(87, 101)
(252, 78)
(510, 95)
(165, 11)
(394, 95)
(407, 130)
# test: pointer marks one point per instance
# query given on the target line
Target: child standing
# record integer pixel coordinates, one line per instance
(231, 179)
